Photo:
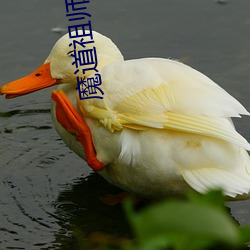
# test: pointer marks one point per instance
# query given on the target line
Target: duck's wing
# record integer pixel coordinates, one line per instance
(164, 94)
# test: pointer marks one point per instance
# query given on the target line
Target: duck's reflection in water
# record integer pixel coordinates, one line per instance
(82, 213)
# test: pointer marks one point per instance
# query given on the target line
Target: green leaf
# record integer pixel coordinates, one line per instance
(245, 234)
(175, 223)
(212, 197)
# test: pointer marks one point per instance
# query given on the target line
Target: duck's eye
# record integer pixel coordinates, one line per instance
(69, 53)
(37, 74)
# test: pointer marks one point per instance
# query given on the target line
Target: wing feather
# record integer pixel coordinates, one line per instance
(164, 94)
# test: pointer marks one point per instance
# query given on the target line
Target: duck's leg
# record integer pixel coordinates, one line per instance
(71, 120)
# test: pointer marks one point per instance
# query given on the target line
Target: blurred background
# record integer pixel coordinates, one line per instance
(46, 191)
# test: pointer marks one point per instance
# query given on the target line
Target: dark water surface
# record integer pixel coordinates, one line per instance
(46, 190)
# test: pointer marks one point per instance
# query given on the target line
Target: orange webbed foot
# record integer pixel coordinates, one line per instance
(72, 121)
(114, 199)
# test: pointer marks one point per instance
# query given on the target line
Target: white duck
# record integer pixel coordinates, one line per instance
(160, 128)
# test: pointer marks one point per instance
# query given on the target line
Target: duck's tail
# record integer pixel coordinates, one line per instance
(234, 182)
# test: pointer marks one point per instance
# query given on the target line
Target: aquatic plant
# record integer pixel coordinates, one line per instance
(198, 222)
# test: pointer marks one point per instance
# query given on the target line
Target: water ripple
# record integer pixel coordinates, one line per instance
(19, 112)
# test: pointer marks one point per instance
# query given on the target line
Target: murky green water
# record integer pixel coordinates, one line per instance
(45, 189)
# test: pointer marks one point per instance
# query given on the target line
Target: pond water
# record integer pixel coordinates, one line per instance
(46, 190)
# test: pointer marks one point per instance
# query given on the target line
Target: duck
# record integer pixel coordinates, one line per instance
(157, 128)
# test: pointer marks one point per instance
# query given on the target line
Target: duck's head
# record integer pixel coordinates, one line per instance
(58, 67)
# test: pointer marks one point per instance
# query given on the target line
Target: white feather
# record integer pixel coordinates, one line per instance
(130, 147)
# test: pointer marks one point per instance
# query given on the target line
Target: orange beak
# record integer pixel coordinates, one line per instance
(41, 78)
